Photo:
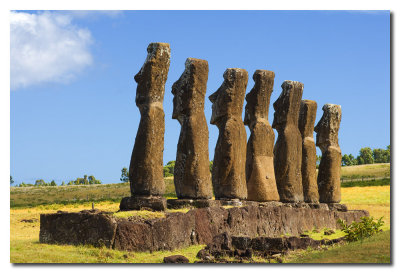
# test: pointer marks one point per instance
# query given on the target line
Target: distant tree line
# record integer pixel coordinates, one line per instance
(86, 180)
(367, 156)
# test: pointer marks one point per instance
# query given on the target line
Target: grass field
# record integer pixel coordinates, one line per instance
(33, 196)
(375, 249)
(25, 247)
(368, 170)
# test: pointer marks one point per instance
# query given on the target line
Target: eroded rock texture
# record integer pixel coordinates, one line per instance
(179, 230)
(327, 131)
(288, 148)
(192, 176)
(308, 112)
(146, 167)
(228, 175)
(260, 174)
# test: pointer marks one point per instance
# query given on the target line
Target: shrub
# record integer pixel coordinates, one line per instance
(360, 230)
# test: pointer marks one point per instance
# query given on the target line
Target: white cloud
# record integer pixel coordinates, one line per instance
(93, 14)
(46, 47)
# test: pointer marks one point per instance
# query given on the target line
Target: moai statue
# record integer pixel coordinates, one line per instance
(192, 176)
(288, 150)
(327, 131)
(308, 112)
(260, 174)
(146, 167)
(228, 174)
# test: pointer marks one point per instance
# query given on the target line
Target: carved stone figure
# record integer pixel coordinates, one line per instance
(192, 176)
(146, 167)
(260, 174)
(308, 112)
(327, 131)
(228, 174)
(288, 147)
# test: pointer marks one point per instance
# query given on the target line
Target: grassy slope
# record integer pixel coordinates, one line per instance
(33, 196)
(375, 249)
(25, 247)
(368, 170)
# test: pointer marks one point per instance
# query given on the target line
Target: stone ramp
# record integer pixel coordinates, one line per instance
(198, 226)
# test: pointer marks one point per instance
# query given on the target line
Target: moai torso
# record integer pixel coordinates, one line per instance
(288, 148)
(308, 112)
(327, 131)
(192, 175)
(228, 174)
(146, 167)
(260, 174)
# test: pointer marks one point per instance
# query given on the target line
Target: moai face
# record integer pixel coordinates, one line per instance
(249, 110)
(189, 90)
(150, 76)
(181, 95)
(327, 128)
(287, 106)
(259, 97)
(228, 99)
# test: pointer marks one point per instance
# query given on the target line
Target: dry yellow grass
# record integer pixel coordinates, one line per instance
(374, 199)
(24, 237)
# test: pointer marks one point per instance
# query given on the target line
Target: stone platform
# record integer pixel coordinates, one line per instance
(197, 226)
(156, 203)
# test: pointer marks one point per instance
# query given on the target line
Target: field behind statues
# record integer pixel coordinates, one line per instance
(33, 196)
(25, 213)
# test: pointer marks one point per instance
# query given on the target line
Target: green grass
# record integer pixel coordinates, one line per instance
(367, 170)
(64, 195)
(30, 202)
(32, 252)
(379, 182)
(375, 249)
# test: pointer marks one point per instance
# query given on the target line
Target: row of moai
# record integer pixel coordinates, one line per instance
(253, 170)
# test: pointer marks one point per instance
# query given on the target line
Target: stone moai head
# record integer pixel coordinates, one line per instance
(259, 97)
(190, 90)
(287, 106)
(228, 99)
(308, 113)
(327, 128)
(152, 75)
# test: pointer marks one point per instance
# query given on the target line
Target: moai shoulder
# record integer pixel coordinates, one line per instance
(228, 176)
(327, 131)
(308, 112)
(146, 166)
(191, 173)
(288, 147)
(260, 174)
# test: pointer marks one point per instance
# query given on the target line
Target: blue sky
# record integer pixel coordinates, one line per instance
(72, 88)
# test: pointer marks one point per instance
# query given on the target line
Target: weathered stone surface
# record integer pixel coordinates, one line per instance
(176, 259)
(228, 175)
(192, 203)
(86, 227)
(192, 176)
(327, 131)
(288, 147)
(308, 112)
(223, 245)
(146, 167)
(178, 230)
(136, 202)
(260, 174)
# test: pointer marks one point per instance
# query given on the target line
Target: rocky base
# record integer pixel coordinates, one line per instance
(243, 248)
(156, 203)
(191, 203)
(197, 226)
